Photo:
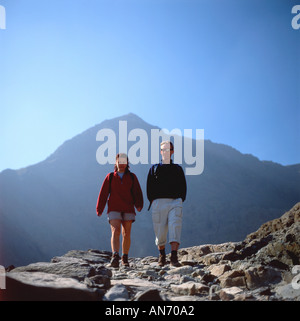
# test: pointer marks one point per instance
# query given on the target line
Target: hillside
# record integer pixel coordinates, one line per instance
(48, 208)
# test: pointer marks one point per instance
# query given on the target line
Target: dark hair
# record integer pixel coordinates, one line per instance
(122, 155)
(167, 142)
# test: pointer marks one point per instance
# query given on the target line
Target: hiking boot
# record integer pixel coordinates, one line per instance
(161, 260)
(115, 260)
(174, 259)
(125, 260)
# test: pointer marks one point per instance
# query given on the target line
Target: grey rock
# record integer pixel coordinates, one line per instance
(213, 292)
(234, 278)
(261, 276)
(40, 286)
(102, 270)
(91, 256)
(98, 281)
(182, 270)
(149, 295)
(76, 269)
(117, 293)
(218, 270)
(190, 288)
(230, 293)
(288, 292)
(186, 278)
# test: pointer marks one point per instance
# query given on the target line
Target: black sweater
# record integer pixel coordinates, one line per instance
(166, 181)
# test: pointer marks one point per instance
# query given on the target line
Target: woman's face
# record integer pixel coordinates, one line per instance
(122, 164)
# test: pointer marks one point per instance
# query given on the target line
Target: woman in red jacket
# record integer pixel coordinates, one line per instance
(123, 191)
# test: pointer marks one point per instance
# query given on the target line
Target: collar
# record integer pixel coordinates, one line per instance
(161, 163)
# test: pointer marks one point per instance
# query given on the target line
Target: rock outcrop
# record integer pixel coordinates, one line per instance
(265, 266)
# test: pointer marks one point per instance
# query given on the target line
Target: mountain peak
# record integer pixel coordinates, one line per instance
(129, 117)
(133, 119)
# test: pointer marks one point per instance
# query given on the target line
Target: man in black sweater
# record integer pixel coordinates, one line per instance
(166, 190)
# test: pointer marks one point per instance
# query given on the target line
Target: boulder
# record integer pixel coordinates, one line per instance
(233, 278)
(190, 288)
(41, 286)
(117, 293)
(229, 293)
(218, 270)
(261, 276)
(149, 295)
(70, 268)
(182, 270)
(288, 293)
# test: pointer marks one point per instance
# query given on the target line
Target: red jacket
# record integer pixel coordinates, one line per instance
(121, 195)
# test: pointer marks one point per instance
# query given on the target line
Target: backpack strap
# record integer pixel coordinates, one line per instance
(155, 171)
(110, 179)
(132, 177)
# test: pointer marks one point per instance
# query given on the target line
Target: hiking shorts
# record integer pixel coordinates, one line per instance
(121, 216)
(167, 217)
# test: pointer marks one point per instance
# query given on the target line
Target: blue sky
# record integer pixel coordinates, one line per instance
(229, 67)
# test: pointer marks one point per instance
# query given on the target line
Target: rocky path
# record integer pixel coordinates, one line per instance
(264, 267)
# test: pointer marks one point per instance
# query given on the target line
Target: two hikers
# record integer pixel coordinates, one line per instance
(166, 191)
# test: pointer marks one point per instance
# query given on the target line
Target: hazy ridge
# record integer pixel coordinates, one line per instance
(49, 208)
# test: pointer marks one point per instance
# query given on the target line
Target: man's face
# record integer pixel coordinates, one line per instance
(166, 153)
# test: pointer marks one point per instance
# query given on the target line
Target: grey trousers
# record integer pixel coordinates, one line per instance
(167, 217)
